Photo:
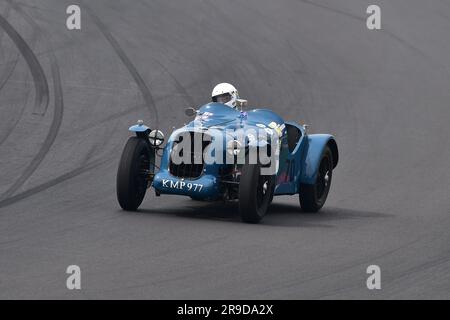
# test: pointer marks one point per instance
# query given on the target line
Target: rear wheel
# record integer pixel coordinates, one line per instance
(255, 193)
(313, 196)
(135, 166)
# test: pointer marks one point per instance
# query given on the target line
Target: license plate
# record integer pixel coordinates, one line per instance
(182, 185)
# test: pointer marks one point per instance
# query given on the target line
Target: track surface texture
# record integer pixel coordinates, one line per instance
(68, 97)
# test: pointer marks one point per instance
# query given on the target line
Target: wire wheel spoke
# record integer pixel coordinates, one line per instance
(262, 191)
(323, 178)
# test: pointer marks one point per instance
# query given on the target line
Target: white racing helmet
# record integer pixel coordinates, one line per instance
(225, 93)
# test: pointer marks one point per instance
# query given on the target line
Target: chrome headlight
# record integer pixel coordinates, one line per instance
(156, 138)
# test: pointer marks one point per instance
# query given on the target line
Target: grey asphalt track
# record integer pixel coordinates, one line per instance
(68, 97)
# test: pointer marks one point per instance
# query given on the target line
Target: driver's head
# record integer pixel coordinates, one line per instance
(225, 93)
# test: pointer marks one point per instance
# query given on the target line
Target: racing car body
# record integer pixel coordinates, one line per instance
(298, 162)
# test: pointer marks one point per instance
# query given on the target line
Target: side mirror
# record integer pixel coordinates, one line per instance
(156, 138)
(190, 112)
(241, 103)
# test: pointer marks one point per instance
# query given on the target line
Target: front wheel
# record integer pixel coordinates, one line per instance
(313, 196)
(132, 175)
(255, 193)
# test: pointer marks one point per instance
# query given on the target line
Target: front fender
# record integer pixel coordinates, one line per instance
(140, 129)
(314, 147)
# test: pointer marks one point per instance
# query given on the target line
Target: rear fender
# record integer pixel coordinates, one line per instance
(314, 148)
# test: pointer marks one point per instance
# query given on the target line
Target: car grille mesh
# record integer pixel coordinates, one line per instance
(194, 168)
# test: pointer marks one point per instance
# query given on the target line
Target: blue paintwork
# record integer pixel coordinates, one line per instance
(138, 128)
(313, 149)
(227, 118)
(296, 167)
(288, 177)
(164, 182)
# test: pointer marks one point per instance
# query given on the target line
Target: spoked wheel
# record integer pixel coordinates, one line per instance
(313, 197)
(255, 193)
(262, 191)
(135, 168)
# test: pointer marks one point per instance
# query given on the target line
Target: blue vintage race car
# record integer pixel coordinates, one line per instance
(295, 162)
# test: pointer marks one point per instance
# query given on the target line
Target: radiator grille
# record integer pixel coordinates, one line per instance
(194, 168)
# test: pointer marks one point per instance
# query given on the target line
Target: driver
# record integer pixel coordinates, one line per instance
(225, 93)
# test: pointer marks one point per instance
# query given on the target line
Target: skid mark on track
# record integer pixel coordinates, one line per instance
(57, 114)
(179, 86)
(335, 10)
(51, 183)
(355, 265)
(16, 121)
(363, 19)
(10, 65)
(146, 94)
(6, 16)
(2, 33)
(40, 80)
(4, 77)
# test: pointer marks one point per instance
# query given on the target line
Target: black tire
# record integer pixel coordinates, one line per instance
(255, 193)
(313, 196)
(132, 182)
